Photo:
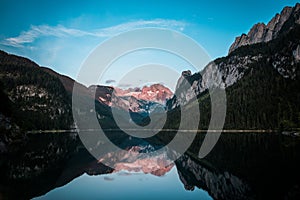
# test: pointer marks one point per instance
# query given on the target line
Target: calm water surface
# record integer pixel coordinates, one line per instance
(126, 185)
(241, 166)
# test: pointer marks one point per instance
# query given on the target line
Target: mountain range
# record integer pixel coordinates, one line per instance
(32, 90)
(260, 76)
(264, 33)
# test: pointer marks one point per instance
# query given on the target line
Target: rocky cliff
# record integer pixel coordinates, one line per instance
(262, 75)
(264, 33)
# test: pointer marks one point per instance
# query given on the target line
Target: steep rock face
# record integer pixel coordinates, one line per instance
(186, 89)
(223, 73)
(296, 53)
(283, 53)
(264, 33)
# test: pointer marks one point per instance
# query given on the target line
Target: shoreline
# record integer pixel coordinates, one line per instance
(163, 130)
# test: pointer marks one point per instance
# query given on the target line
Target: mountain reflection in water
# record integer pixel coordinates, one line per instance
(241, 166)
(133, 161)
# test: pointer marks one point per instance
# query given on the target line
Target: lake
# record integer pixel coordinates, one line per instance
(241, 166)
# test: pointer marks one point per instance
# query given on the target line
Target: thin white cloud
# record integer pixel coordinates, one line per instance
(110, 81)
(60, 31)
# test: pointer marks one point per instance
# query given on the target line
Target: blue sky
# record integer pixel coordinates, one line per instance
(61, 34)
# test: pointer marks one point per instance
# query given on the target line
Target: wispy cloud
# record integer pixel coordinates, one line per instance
(110, 81)
(60, 31)
(42, 31)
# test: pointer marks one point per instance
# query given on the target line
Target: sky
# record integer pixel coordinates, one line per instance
(138, 184)
(62, 34)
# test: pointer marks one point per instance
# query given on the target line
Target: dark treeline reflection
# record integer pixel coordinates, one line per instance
(266, 165)
(241, 166)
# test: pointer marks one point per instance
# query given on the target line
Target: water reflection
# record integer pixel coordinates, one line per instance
(156, 163)
(241, 166)
(126, 185)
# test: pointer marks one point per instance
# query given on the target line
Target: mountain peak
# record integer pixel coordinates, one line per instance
(264, 33)
(156, 93)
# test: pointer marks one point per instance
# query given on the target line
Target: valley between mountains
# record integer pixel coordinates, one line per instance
(260, 76)
(41, 150)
